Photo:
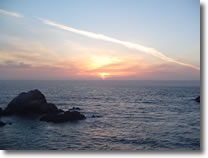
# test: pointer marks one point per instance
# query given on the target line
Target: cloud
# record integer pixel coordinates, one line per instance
(8, 13)
(34, 53)
(127, 44)
(26, 59)
(12, 64)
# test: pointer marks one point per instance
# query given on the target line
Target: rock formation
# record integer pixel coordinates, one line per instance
(63, 117)
(34, 102)
(29, 102)
(198, 99)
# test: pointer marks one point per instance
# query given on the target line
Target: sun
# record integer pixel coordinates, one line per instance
(102, 65)
(103, 75)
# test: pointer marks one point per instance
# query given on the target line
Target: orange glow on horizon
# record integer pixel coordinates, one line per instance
(107, 66)
(103, 75)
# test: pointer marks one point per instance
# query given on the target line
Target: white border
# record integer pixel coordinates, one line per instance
(202, 153)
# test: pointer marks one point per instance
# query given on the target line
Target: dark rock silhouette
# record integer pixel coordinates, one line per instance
(9, 123)
(95, 116)
(2, 124)
(29, 102)
(34, 102)
(75, 108)
(63, 117)
(1, 111)
(60, 110)
(198, 99)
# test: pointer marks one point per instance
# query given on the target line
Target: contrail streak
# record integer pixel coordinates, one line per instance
(130, 45)
(5, 12)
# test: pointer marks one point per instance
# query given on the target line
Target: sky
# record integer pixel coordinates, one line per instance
(97, 40)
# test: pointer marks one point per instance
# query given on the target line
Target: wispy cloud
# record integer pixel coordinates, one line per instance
(8, 13)
(127, 44)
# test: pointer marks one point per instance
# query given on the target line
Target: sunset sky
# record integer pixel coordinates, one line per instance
(105, 39)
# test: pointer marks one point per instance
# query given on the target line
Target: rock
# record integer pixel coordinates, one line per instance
(2, 124)
(75, 108)
(198, 99)
(10, 123)
(48, 108)
(60, 110)
(34, 102)
(1, 111)
(63, 117)
(95, 116)
(74, 115)
(29, 102)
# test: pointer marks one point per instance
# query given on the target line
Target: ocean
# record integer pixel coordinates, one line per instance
(129, 115)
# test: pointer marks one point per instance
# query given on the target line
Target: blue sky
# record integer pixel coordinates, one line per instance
(169, 26)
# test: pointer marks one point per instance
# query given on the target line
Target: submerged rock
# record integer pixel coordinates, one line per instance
(95, 116)
(63, 117)
(75, 108)
(29, 102)
(198, 99)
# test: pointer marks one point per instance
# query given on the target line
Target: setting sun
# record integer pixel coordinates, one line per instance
(98, 63)
(103, 75)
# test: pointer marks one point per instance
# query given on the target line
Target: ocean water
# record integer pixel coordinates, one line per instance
(131, 115)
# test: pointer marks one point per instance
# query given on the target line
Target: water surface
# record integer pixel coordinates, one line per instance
(132, 115)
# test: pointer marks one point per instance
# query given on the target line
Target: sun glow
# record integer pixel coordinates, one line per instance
(100, 61)
(103, 75)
